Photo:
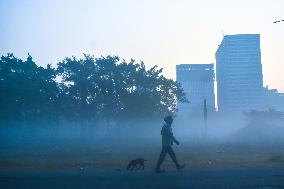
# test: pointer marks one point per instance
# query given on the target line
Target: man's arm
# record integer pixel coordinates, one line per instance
(175, 140)
(173, 137)
(168, 132)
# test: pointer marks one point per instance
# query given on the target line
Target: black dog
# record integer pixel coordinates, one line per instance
(136, 163)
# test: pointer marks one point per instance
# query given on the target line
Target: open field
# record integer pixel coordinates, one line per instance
(116, 155)
(73, 147)
(88, 157)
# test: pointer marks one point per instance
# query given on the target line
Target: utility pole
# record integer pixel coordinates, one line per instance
(205, 118)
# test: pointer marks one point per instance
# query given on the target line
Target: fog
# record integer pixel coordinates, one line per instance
(117, 143)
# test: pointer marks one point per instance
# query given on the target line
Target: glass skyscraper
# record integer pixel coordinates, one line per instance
(239, 73)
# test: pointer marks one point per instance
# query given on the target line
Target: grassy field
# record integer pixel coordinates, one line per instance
(111, 149)
(116, 155)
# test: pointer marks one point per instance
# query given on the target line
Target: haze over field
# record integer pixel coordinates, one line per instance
(227, 142)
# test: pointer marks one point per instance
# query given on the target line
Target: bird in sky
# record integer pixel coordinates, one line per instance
(277, 21)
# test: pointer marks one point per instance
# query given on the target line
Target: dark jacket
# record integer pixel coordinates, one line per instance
(167, 135)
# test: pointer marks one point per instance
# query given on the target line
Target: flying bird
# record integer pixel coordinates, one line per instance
(277, 21)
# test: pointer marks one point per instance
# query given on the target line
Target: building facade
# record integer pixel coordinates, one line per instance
(197, 80)
(239, 73)
(272, 99)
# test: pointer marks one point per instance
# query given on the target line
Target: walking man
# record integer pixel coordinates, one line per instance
(167, 141)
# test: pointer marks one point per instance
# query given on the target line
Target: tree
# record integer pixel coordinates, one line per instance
(26, 89)
(85, 89)
(261, 117)
(78, 87)
(114, 89)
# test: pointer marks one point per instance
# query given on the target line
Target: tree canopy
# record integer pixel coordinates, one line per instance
(85, 88)
(261, 117)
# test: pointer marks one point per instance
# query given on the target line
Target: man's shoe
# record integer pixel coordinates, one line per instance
(180, 167)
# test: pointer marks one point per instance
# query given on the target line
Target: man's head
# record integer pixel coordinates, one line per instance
(168, 119)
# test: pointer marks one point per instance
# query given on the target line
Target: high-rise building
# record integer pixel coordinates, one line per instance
(197, 80)
(239, 73)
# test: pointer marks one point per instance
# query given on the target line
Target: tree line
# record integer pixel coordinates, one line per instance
(84, 89)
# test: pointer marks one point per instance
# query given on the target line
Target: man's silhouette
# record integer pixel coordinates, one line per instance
(167, 141)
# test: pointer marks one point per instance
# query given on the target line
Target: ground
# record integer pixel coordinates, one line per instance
(117, 154)
(104, 167)
(258, 178)
(100, 161)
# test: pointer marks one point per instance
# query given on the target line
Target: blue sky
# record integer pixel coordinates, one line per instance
(162, 32)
